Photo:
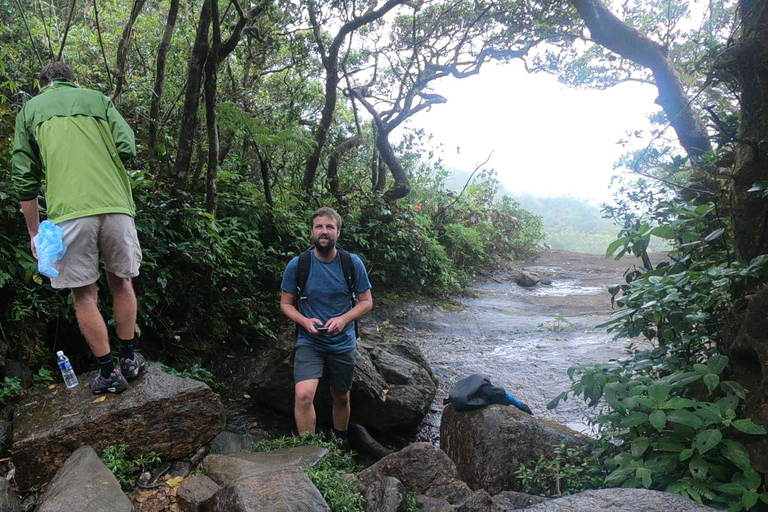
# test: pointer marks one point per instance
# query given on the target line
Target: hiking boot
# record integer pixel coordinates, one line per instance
(116, 383)
(131, 367)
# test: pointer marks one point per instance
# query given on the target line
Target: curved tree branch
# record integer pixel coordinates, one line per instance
(615, 35)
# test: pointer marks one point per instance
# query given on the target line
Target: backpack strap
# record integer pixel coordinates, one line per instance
(302, 274)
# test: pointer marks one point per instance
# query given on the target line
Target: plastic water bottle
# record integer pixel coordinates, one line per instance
(70, 379)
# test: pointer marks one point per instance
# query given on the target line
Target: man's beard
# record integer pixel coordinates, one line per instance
(325, 250)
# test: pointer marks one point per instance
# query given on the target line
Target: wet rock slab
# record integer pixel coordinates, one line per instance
(85, 483)
(229, 468)
(621, 500)
(158, 413)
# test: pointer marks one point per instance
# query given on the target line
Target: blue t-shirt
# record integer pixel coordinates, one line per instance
(327, 296)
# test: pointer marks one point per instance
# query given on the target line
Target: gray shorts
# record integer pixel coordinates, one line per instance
(111, 235)
(337, 369)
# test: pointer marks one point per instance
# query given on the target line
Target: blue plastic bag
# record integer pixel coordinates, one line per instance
(50, 248)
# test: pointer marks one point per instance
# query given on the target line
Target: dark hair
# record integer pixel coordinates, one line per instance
(55, 70)
(327, 211)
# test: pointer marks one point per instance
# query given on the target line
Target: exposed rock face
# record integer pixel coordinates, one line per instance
(621, 500)
(158, 412)
(422, 469)
(195, 493)
(288, 490)
(8, 500)
(387, 495)
(489, 444)
(224, 469)
(84, 483)
(746, 342)
(265, 481)
(393, 385)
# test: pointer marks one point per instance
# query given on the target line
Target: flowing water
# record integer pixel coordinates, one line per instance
(525, 339)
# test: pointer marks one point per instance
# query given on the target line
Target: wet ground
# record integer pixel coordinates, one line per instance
(525, 339)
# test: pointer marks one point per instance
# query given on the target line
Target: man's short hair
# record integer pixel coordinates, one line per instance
(326, 211)
(54, 71)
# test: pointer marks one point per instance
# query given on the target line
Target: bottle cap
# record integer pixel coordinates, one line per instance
(60, 353)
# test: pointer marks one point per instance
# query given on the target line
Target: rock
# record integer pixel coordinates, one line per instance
(745, 339)
(489, 444)
(527, 279)
(84, 483)
(511, 500)
(180, 469)
(620, 500)
(393, 385)
(386, 495)
(195, 493)
(422, 469)
(230, 442)
(478, 501)
(8, 500)
(157, 413)
(6, 431)
(430, 504)
(225, 469)
(286, 490)
(546, 281)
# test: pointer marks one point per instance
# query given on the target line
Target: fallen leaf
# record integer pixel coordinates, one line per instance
(52, 386)
(100, 399)
(175, 481)
(247, 396)
(141, 499)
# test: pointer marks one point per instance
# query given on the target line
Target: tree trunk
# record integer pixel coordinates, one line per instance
(747, 62)
(612, 33)
(331, 65)
(155, 105)
(191, 100)
(122, 49)
(333, 162)
(211, 80)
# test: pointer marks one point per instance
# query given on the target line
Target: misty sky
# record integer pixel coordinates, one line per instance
(547, 139)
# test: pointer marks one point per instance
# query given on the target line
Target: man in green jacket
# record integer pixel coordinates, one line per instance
(76, 139)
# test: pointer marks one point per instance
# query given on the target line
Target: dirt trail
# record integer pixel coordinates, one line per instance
(524, 338)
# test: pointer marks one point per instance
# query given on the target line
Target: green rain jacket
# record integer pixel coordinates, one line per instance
(76, 139)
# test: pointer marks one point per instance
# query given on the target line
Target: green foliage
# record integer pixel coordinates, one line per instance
(125, 469)
(674, 430)
(328, 473)
(669, 416)
(557, 324)
(568, 470)
(195, 372)
(10, 389)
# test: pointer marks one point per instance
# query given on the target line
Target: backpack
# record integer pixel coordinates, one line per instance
(476, 391)
(302, 274)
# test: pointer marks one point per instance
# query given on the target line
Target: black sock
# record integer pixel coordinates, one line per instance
(339, 434)
(126, 348)
(106, 365)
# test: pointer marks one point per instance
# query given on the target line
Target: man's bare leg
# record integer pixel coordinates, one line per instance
(304, 407)
(341, 409)
(90, 320)
(123, 305)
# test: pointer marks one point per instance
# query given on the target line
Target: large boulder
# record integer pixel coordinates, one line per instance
(84, 483)
(265, 481)
(158, 413)
(620, 500)
(393, 385)
(489, 444)
(422, 469)
(286, 490)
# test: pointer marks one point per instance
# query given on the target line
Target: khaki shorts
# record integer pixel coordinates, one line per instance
(111, 235)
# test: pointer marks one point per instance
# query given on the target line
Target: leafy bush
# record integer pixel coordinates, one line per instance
(125, 469)
(568, 470)
(672, 430)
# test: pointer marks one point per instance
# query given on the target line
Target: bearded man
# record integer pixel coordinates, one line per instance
(336, 292)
